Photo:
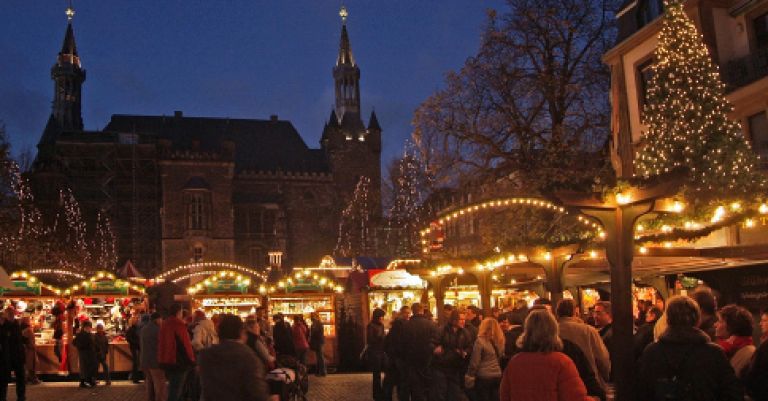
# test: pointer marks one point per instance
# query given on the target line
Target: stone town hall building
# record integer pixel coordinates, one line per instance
(181, 188)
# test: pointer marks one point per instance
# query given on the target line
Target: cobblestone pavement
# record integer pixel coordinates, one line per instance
(348, 387)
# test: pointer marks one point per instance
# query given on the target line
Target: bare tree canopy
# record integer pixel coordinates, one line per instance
(531, 105)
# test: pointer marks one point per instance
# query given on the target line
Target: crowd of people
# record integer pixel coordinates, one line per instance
(686, 350)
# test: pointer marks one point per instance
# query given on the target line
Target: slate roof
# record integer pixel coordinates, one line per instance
(260, 145)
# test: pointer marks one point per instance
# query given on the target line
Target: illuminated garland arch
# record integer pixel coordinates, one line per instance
(241, 282)
(60, 272)
(210, 267)
(504, 203)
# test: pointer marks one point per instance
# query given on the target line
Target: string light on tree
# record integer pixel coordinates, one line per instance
(687, 119)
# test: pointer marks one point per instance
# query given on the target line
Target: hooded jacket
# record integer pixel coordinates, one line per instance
(701, 367)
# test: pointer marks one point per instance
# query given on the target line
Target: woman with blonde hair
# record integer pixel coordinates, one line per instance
(484, 365)
(540, 371)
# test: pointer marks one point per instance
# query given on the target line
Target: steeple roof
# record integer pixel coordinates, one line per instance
(69, 46)
(345, 49)
(373, 122)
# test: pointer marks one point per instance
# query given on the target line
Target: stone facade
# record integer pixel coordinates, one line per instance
(181, 189)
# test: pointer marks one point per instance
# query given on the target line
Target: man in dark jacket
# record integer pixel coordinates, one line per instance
(230, 371)
(316, 342)
(684, 364)
(376, 356)
(708, 304)
(451, 355)
(283, 336)
(420, 338)
(87, 353)
(394, 344)
(757, 376)
(154, 377)
(644, 335)
(586, 373)
(102, 350)
(11, 354)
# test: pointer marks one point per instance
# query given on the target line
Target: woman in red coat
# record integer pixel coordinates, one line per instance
(540, 372)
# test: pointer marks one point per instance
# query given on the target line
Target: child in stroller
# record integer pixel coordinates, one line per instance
(289, 380)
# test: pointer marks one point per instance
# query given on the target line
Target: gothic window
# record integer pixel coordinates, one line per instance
(760, 26)
(648, 10)
(198, 210)
(197, 254)
(758, 132)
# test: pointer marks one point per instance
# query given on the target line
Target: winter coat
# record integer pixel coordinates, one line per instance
(510, 344)
(30, 355)
(204, 335)
(456, 344)
(283, 337)
(300, 333)
(589, 341)
(316, 335)
(149, 338)
(132, 336)
(539, 376)
(701, 367)
(258, 346)
(707, 325)
(420, 340)
(87, 353)
(643, 337)
(376, 358)
(12, 353)
(174, 349)
(102, 345)
(587, 375)
(756, 379)
(485, 361)
(229, 371)
(394, 343)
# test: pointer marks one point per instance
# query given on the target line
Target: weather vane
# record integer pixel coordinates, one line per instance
(70, 11)
(343, 14)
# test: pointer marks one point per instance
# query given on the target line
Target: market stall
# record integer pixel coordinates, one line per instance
(391, 289)
(226, 292)
(107, 300)
(43, 305)
(303, 293)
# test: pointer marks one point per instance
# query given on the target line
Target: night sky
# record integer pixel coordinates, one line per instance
(234, 58)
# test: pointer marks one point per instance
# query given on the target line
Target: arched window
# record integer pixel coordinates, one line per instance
(198, 210)
(648, 10)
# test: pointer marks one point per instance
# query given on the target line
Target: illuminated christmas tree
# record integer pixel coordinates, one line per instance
(355, 231)
(687, 118)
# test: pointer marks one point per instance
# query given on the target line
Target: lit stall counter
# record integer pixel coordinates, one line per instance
(227, 292)
(302, 294)
(389, 290)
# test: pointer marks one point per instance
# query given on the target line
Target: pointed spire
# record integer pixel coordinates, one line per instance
(373, 122)
(69, 48)
(333, 121)
(345, 49)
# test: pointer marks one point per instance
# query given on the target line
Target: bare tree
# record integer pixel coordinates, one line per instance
(531, 105)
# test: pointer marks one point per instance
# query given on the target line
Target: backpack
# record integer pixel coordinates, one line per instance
(673, 387)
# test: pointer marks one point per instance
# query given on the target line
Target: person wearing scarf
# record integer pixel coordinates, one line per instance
(734, 332)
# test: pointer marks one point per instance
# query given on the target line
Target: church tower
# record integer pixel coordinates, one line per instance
(346, 75)
(68, 77)
(353, 150)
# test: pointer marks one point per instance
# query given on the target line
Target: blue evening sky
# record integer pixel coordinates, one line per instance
(233, 58)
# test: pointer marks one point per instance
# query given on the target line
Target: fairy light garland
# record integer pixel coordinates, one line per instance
(468, 211)
(33, 280)
(207, 265)
(242, 282)
(102, 275)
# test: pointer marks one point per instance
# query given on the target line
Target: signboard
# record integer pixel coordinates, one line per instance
(304, 284)
(23, 287)
(117, 287)
(222, 286)
(398, 278)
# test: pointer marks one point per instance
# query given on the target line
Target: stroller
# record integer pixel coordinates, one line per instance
(290, 379)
